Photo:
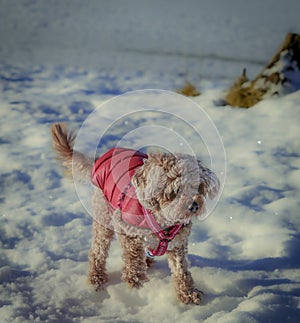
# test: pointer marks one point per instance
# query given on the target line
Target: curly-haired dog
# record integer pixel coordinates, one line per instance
(148, 201)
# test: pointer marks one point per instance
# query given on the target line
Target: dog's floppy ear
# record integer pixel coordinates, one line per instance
(209, 182)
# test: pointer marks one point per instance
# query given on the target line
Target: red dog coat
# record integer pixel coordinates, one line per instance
(112, 173)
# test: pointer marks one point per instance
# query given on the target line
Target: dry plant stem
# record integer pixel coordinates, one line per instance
(188, 90)
(245, 93)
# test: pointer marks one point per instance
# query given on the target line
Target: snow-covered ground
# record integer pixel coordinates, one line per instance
(61, 60)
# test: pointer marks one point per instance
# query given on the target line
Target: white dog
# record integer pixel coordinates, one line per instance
(148, 201)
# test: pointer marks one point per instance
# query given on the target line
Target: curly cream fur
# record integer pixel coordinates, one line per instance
(167, 185)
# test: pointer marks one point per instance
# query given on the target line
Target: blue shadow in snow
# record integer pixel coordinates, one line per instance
(257, 197)
(266, 264)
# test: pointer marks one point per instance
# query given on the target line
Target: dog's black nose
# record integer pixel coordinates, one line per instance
(193, 207)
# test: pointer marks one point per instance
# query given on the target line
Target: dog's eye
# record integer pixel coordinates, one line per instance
(172, 196)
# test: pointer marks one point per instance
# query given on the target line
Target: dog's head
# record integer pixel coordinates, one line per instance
(174, 186)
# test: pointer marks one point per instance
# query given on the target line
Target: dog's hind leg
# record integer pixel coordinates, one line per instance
(102, 238)
(135, 265)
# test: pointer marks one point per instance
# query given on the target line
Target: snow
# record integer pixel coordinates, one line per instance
(65, 61)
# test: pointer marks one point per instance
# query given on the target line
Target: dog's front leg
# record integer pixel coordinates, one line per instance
(135, 265)
(184, 283)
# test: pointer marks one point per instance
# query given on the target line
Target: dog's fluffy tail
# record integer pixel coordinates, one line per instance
(75, 163)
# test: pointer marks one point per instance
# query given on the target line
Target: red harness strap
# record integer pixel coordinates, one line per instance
(164, 238)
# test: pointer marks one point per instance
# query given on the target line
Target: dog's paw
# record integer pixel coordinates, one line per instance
(135, 280)
(98, 281)
(193, 296)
